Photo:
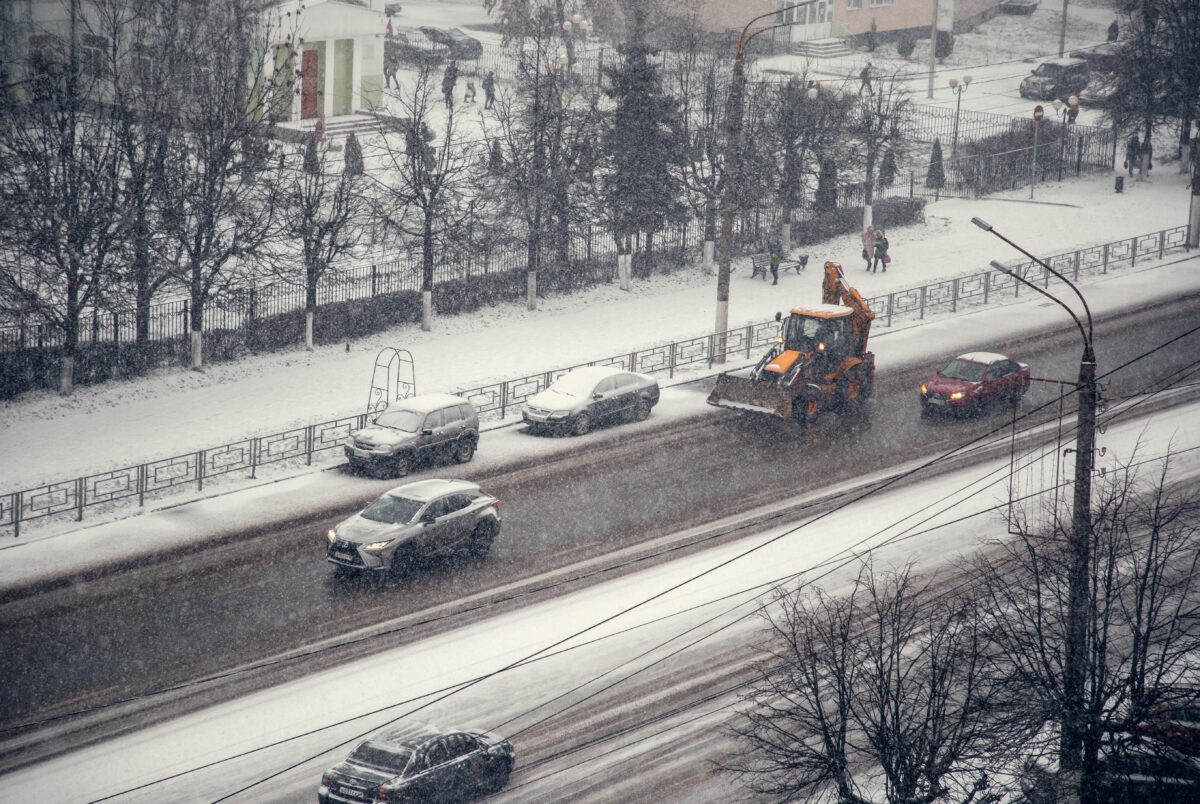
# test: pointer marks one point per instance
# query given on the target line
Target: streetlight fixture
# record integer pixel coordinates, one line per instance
(733, 135)
(1070, 752)
(958, 90)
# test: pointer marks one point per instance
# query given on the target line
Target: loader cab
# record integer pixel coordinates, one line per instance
(823, 331)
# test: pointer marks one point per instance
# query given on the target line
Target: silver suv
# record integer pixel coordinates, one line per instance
(413, 522)
(415, 429)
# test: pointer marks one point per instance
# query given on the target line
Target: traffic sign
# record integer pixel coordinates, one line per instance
(1038, 113)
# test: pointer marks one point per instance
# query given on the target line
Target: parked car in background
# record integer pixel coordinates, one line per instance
(413, 522)
(415, 762)
(971, 381)
(1175, 721)
(589, 396)
(1104, 57)
(412, 46)
(460, 44)
(414, 430)
(1057, 78)
(1147, 773)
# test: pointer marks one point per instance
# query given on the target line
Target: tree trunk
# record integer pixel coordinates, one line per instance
(66, 377)
(427, 273)
(308, 330)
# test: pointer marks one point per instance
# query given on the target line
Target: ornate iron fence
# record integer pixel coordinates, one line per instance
(72, 497)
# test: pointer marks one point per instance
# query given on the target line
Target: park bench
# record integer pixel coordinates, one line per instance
(761, 264)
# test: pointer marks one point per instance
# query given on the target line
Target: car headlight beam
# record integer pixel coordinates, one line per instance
(375, 547)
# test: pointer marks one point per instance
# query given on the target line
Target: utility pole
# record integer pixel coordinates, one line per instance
(733, 136)
(1075, 651)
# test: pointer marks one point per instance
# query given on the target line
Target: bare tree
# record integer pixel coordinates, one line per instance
(61, 222)
(1144, 594)
(217, 208)
(424, 188)
(886, 688)
(324, 214)
(877, 124)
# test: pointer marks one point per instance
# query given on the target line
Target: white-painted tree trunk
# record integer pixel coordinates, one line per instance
(710, 249)
(66, 376)
(308, 330)
(624, 270)
(785, 236)
(867, 217)
(531, 290)
(427, 310)
(722, 324)
(197, 350)
(1194, 219)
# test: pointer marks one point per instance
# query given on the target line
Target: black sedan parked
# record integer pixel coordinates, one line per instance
(591, 395)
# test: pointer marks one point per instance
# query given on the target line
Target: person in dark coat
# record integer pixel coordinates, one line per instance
(1133, 152)
(881, 251)
(449, 79)
(489, 89)
(1113, 31)
(775, 249)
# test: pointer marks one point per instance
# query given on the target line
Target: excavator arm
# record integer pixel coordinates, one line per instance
(836, 290)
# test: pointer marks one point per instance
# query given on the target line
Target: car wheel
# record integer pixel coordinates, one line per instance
(400, 466)
(481, 539)
(464, 450)
(973, 409)
(641, 411)
(581, 425)
(404, 560)
(500, 775)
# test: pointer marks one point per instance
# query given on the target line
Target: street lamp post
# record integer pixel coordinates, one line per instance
(733, 135)
(958, 90)
(1075, 651)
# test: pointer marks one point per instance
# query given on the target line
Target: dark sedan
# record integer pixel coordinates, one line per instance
(460, 45)
(591, 395)
(415, 762)
(971, 381)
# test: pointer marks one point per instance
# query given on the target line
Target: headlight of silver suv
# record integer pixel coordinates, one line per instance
(331, 535)
(376, 547)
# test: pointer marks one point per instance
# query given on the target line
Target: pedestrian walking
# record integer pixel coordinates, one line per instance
(1113, 31)
(882, 258)
(865, 77)
(775, 249)
(449, 79)
(868, 243)
(389, 73)
(469, 95)
(1133, 152)
(489, 89)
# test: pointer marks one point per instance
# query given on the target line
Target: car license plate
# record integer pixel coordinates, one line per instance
(357, 792)
(342, 556)
(936, 401)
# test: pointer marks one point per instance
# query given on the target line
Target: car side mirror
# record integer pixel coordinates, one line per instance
(427, 431)
(428, 518)
(778, 316)
(597, 396)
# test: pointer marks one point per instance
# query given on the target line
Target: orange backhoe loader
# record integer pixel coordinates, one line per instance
(818, 363)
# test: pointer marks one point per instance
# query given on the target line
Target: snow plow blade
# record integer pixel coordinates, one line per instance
(744, 393)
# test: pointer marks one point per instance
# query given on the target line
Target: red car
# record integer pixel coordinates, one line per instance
(971, 381)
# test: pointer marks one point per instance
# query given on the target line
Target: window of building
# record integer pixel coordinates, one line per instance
(878, 3)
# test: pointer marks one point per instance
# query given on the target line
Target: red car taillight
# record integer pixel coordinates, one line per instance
(496, 504)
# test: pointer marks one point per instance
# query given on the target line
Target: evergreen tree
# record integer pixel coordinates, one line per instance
(312, 164)
(945, 45)
(935, 179)
(642, 189)
(887, 169)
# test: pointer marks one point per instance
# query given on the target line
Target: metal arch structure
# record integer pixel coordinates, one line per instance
(394, 377)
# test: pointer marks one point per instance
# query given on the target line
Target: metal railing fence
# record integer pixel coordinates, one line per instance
(73, 497)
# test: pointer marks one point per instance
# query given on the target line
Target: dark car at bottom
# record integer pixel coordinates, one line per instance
(416, 762)
(971, 381)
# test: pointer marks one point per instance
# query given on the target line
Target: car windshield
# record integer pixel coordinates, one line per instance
(1047, 70)
(393, 510)
(964, 370)
(574, 384)
(393, 761)
(400, 419)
